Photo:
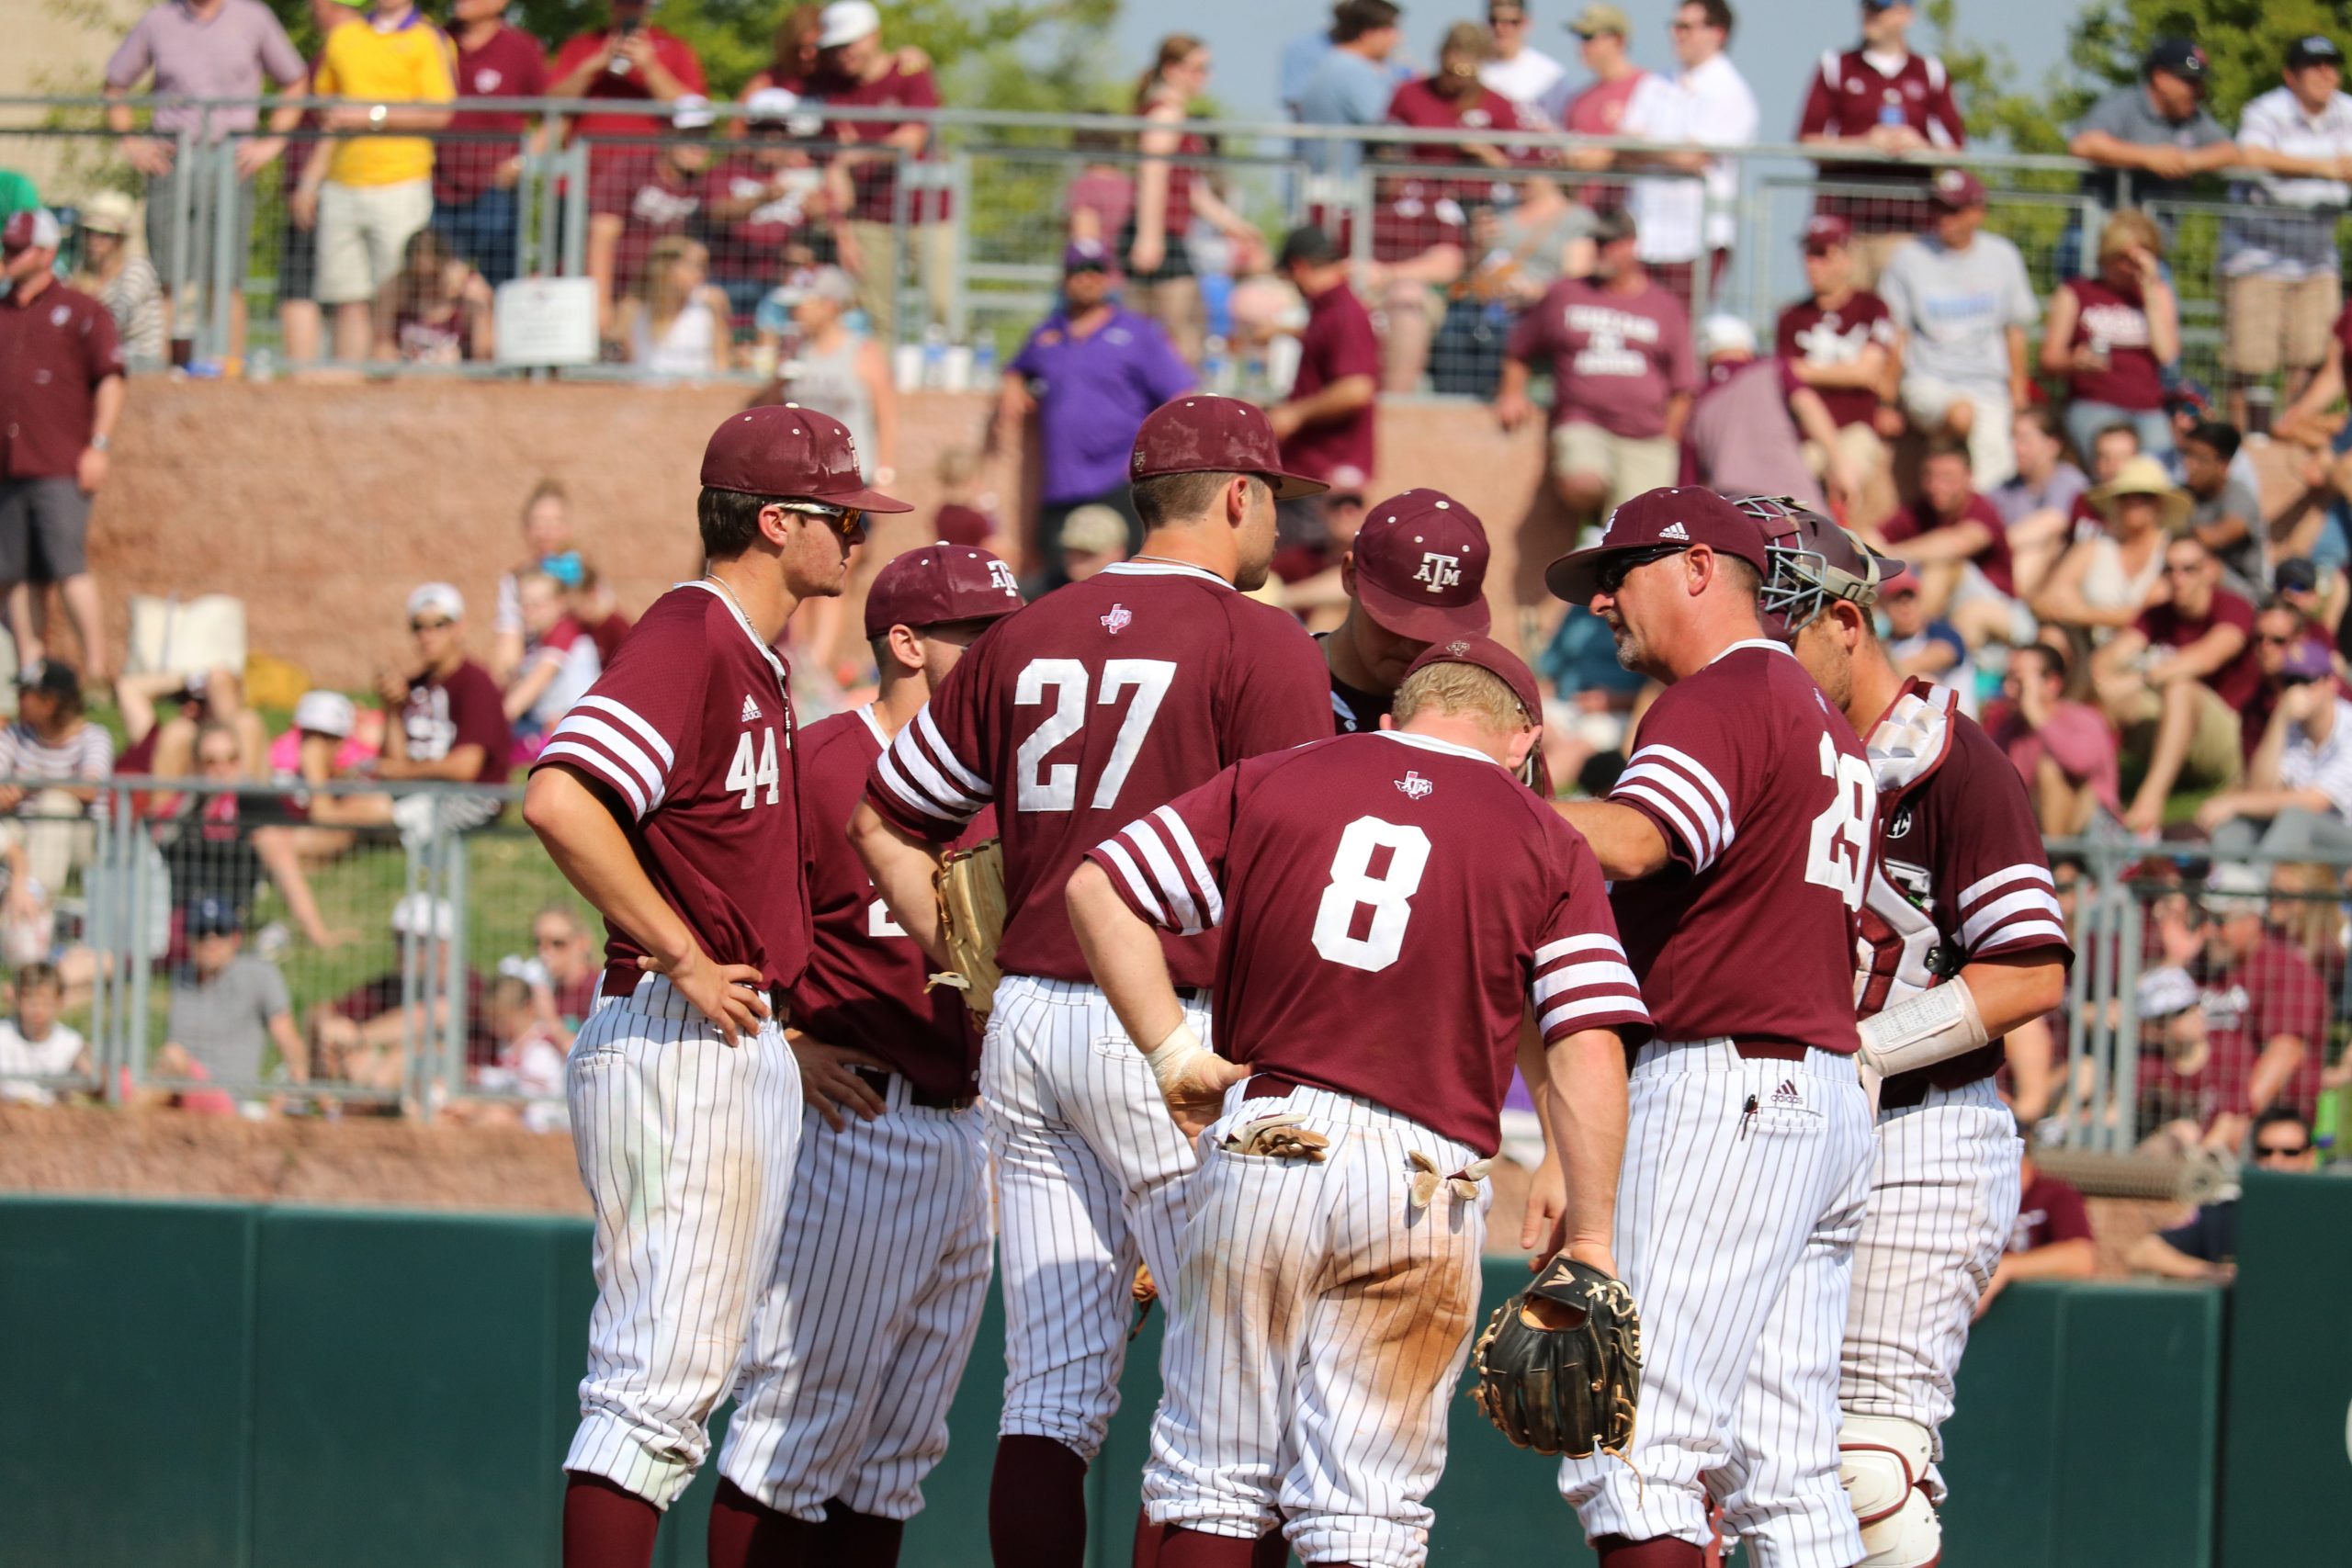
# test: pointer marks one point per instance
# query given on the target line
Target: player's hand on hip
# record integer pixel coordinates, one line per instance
(1195, 1095)
(827, 1083)
(730, 995)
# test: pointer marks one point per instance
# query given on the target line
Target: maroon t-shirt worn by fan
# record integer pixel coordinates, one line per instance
(2115, 324)
(2166, 626)
(876, 183)
(1820, 337)
(1086, 708)
(1394, 905)
(1768, 807)
(465, 709)
(507, 65)
(55, 349)
(650, 195)
(1915, 521)
(1339, 342)
(689, 731)
(1617, 360)
(865, 984)
(2048, 1211)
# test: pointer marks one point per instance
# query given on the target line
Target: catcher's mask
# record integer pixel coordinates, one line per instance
(1811, 561)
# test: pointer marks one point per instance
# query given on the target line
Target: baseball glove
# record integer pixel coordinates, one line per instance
(971, 888)
(1560, 1365)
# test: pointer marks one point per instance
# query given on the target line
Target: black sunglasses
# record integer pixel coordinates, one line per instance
(1611, 575)
(2272, 1151)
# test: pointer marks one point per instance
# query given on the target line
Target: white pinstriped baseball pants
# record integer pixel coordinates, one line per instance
(1090, 1175)
(685, 1145)
(1735, 1231)
(862, 1333)
(1316, 1334)
(1943, 1196)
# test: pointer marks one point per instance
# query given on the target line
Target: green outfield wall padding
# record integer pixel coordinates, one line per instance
(254, 1387)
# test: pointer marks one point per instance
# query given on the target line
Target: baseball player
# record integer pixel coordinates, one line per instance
(1100, 700)
(1415, 575)
(669, 797)
(1738, 840)
(1964, 943)
(861, 1336)
(1393, 902)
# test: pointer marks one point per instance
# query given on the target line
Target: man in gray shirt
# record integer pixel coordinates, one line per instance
(2158, 130)
(1352, 84)
(1963, 301)
(225, 1006)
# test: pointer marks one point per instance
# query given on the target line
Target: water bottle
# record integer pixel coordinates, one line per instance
(934, 356)
(984, 362)
(1890, 112)
(1216, 369)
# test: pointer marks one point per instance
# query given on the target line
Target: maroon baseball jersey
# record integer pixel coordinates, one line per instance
(1394, 903)
(865, 984)
(1768, 809)
(689, 732)
(1817, 336)
(463, 710)
(56, 349)
(1961, 875)
(1849, 97)
(1993, 560)
(1086, 708)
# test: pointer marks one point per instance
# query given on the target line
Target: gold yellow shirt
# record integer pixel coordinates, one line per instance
(408, 64)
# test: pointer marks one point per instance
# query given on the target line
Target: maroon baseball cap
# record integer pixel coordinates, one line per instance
(1826, 229)
(1204, 435)
(1422, 567)
(34, 229)
(1493, 658)
(790, 451)
(934, 584)
(1957, 190)
(1660, 520)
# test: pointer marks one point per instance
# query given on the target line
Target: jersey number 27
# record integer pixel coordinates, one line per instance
(1841, 834)
(1042, 787)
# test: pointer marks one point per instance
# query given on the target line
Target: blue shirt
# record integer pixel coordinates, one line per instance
(1296, 67)
(1092, 393)
(1346, 89)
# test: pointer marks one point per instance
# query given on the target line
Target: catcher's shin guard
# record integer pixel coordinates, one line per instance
(1883, 1464)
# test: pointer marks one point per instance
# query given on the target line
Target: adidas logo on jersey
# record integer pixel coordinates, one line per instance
(750, 708)
(1414, 786)
(1675, 531)
(1787, 1095)
(1118, 620)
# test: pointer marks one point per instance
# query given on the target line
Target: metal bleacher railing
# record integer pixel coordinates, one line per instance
(956, 251)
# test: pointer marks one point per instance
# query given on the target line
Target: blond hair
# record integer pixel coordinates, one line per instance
(2127, 227)
(1460, 689)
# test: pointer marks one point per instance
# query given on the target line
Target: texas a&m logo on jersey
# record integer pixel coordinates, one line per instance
(1118, 620)
(1439, 572)
(1413, 786)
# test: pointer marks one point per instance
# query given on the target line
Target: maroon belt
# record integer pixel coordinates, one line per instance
(1769, 1051)
(1271, 1086)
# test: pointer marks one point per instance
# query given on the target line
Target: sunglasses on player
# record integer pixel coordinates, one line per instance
(848, 521)
(1609, 575)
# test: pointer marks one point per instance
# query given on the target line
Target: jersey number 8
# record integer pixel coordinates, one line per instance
(1389, 894)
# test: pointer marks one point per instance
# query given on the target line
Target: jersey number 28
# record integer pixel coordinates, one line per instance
(1841, 834)
(1040, 787)
(1388, 895)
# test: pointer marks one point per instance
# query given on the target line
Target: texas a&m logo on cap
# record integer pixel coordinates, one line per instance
(1000, 574)
(1439, 572)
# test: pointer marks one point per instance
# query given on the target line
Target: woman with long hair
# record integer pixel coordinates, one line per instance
(435, 310)
(1171, 192)
(678, 323)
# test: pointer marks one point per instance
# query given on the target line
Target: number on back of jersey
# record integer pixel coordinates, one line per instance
(1841, 834)
(755, 769)
(1388, 895)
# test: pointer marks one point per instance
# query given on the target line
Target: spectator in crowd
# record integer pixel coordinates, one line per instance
(1295, 66)
(1622, 373)
(2062, 749)
(474, 182)
(2252, 1040)
(2298, 790)
(1522, 251)
(770, 202)
(1173, 189)
(300, 327)
(639, 195)
(1350, 84)
(1708, 102)
(855, 70)
(2157, 130)
(1519, 71)
(166, 746)
(2173, 683)
(58, 404)
(837, 369)
(1751, 420)
(2225, 512)
(2104, 581)
(62, 758)
(1090, 373)
(125, 284)
(369, 192)
(358, 1037)
(228, 1007)
(965, 514)
(675, 322)
(2113, 338)
(2050, 1237)
(792, 53)
(526, 1058)
(566, 965)
(1840, 342)
(1954, 535)
(202, 49)
(2280, 267)
(1963, 302)
(1879, 99)
(1327, 423)
(436, 310)
(2297, 583)
(33, 1042)
(452, 723)
(2205, 1247)
(640, 68)
(1092, 537)
(2287, 646)
(1101, 197)
(2037, 503)
(559, 663)
(1925, 646)
(1599, 108)
(219, 843)
(547, 533)
(331, 742)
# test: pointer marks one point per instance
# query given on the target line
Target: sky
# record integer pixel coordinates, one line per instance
(1774, 46)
